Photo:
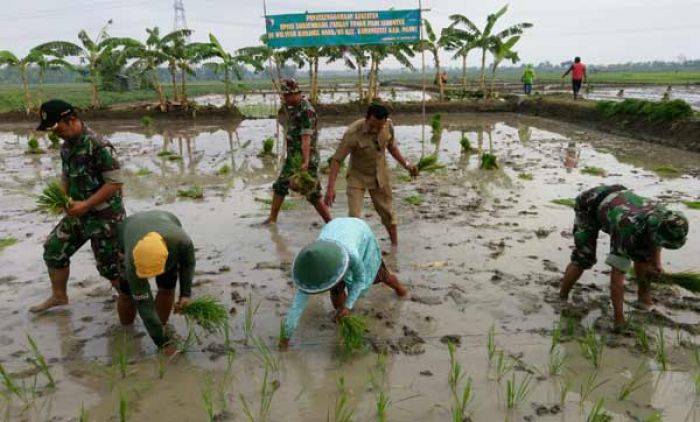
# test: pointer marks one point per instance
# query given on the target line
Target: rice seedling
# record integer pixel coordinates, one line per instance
(378, 381)
(567, 202)
(342, 412)
(592, 347)
(83, 416)
(33, 146)
(525, 176)
(635, 382)
(491, 342)
(287, 205)
(143, 172)
(517, 392)
(123, 407)
(268, 145)
(661, 355)
(488, 161)
(696, 381)
(283, 332)
(656, 416)
(53, 199)
(208, 397)
(224, 170)
(55, 141)
(693, 205)
(564, 389)
(194, 192)
(170, 156)
(250, 310)
(37, 359)
(556, 336)
(594, 171)
(414, 199)
(263, 352)
(436, 122)
(208, 313)
(429, 163)
(147, 121)
(301, 180)
(162, 365)
(9, 383)
(382, 404)
(504, 365)
(267, 392)
(556, 362)
(667, 171)
(588, 386)
(465, 144)
(641, 338)
(120, 361)
(570, 326)
(352, 330)
(689, 280)
(460, 400)
(6, 242)
(597, 413)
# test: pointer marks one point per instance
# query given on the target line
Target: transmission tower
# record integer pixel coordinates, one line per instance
(179, 22)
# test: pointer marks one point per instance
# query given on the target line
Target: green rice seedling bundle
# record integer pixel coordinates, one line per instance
(208, 313)
(168, 155)
(7, 242)
(689, 280)
(525, 176)
(693, 205)
(429, 163)
(488, 161)
(415, 199)
(352, 330)
(33, 146)
(667, 171)
(147, 121)
(567, 202)
(301, 181)
(194, 192)
(224, 170)
(436, 122)
(465, 144)
(594, 171)
(55, 141)
(268, 145)
(53, 199)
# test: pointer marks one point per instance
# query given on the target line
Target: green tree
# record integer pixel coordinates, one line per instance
(149, 56)
(264, 58)
(380, 52)
(434, 44)
(354, 57)
(229, 65)
(34, 57)
(503, 50)
(462, 43)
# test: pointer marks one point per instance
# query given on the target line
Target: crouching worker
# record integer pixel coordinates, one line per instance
(154, 245)
(345, 260)
(638, 230)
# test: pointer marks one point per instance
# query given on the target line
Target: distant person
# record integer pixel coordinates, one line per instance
(638, 229)
(578, 75)
(92, 178)
(528, 78)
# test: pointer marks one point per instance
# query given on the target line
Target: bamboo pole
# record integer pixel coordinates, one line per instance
(422, 139)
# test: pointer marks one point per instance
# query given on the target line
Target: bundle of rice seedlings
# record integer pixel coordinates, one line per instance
(525, 176)
(689, 280)
(693, 205)
(436, 122)
(268, 145)
(567, 202)
(667, 171)
(53, 199)
(195, 192)
(301, 181)
(429, 163)
(466, 144)
(224, 170)
(208, 313)
(147, 121)
(168, 155)
(55, 141)
(352, 330)
(594, 171)
(143, 172)
(488, 161)
(33, 146)
(7, 242)
(415, 199)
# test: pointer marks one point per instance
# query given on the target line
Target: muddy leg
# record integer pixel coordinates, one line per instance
(386, 277)
(275, 208)
(617, 295)
(338, 296)
(164, 304)
(571, 275)
(393, 234)
(59, 294)
(126, 309)
(323, 210)
(643, 284)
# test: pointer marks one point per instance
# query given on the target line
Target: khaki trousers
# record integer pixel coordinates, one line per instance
(381, 199)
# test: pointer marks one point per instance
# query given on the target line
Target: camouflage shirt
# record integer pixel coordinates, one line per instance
(88, 162)
(623, 215)
(301, 121)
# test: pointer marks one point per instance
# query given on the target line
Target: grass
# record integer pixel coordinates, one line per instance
(53, 199)
(594, 171)
(592, 347)
(661, 355)
(597, 413)
(693, 205)
(491, 342)
(429, 163)
(633, 384)
(653, 111)
(37, 359)
(525, 176)
(488, 161)
(460, 399)
(33, 146)
(208, 313)
(689, 280)
(352, 330)
(567, 202)
(667, 170)
(193, 192)
(268, 145)
(147, 121)
(517, 392)
(414, 199)
(342, 412)
(224, 170)
(250, 310)
(6, 242)
(465, 144)
(143, 172)
(588, 386)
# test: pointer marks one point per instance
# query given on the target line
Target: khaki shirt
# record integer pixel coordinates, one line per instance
(368, 168)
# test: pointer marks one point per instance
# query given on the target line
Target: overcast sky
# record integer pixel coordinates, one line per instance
(600, 31)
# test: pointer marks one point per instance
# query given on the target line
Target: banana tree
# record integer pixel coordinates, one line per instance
(173, 46)
(92, 53)
(377, 54)
(229, 64)
(503, 50)
(149, 56)
(309, 56)
(191, 55)
(462, 43)
(355, 58)
(433, 44)
(22, 64)
(259, 56)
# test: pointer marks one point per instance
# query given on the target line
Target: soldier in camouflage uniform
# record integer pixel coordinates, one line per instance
(301, 135)
(91, 178)
(638, 229)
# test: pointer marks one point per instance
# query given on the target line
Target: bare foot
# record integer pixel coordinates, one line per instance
(267, 223)
(48, 304)
(401, 291)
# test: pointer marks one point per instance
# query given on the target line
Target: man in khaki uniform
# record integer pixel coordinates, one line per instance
(366, 141)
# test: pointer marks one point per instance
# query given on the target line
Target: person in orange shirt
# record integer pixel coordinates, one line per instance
(578, 75)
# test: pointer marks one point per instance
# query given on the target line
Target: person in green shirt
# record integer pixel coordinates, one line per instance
(528, 78)
(154, 245)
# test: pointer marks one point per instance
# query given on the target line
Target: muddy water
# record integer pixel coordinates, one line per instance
(484, 249)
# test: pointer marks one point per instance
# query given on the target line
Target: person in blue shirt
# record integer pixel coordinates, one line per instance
(345, 260)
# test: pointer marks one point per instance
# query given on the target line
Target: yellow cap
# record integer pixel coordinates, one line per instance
(150, 255)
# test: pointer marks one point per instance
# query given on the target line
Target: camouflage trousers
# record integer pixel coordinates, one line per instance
(281, 185)
(586, 225)
(71, 233)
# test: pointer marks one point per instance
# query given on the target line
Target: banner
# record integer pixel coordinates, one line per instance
(343, 28)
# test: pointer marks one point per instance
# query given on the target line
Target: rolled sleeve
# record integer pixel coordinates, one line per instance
(113, 176)
(619, 262)
(308, 123)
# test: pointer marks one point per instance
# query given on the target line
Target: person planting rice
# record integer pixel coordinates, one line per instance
(154, 245)
(366, 141)
(91, 178)
(638, 230)
(345, 260)
(300, 170)
(578, 75)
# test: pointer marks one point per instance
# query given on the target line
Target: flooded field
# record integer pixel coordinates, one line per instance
(690, 94)
(482, 249)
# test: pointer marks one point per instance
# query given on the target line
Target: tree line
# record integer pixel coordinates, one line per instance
(106, 61)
